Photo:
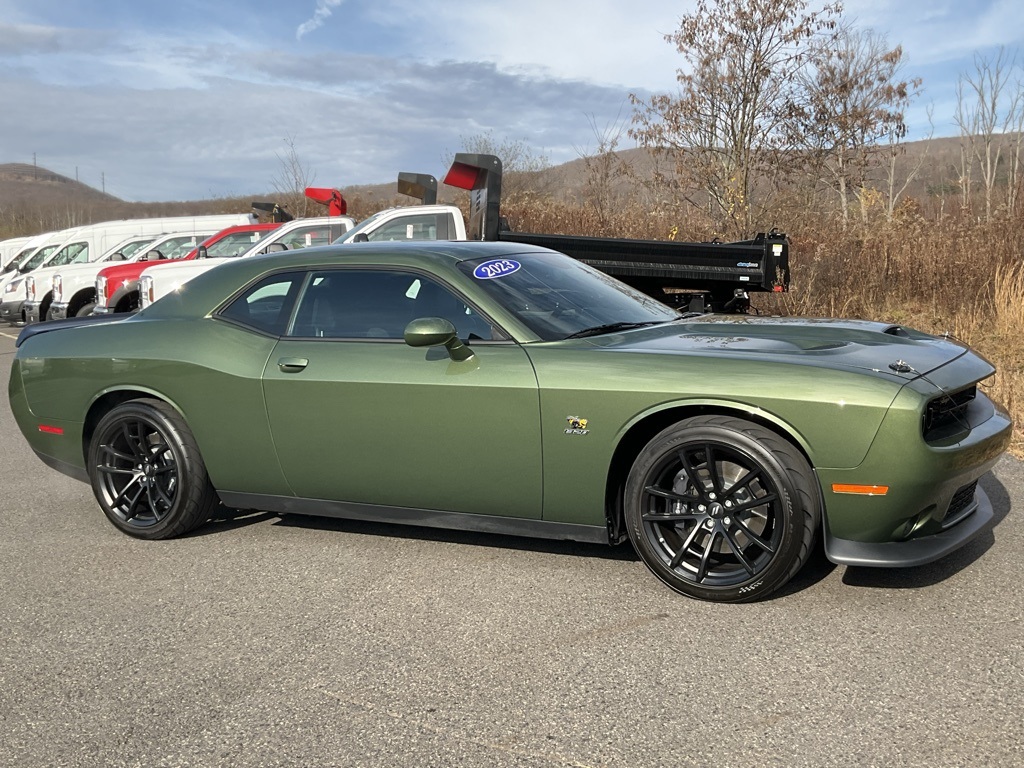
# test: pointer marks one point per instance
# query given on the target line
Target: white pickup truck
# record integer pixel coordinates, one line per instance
(297, 233)
(413, 222)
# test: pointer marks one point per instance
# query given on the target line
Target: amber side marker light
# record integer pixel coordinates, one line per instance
(860, 490)
(51, 430)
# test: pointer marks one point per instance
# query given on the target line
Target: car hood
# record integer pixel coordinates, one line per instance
(881, 348)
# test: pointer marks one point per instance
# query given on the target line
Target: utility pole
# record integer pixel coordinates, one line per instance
(103, 180)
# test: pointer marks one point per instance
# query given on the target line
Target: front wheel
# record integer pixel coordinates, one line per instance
(721, 509)
(147, 473)
(86, 309)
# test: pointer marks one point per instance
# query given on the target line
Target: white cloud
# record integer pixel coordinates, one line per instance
(324, 8)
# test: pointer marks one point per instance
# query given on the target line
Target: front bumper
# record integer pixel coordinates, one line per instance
(913, 552)
(933, 504)
(31, 311)
(10, 311)
(58, 311)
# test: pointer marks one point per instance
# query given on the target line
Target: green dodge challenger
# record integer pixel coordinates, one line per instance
(508, 388)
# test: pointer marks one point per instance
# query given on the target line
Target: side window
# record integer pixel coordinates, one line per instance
(365, 304)
(266, 305)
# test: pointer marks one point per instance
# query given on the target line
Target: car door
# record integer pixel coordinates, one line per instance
(359, 416)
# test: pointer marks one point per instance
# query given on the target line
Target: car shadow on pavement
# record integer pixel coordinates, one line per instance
(454, 536)
(940, 570)
(228, 519)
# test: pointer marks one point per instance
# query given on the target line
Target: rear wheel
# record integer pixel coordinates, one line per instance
(721, 509)
(147, 473)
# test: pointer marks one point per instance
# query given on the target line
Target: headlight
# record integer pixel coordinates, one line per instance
(30, 289)
(101, 291)
(58, 289)
(13, 287)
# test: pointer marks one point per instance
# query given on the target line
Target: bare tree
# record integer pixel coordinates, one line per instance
(291, 180)
(729, 127)
(603, 167)
(896, 183)
(853, 116)
(984, 117)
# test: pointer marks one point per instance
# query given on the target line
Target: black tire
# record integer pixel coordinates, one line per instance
(721, 509)
(147, 473)
(86, 309)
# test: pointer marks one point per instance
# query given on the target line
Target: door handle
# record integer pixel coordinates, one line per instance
(292, 364)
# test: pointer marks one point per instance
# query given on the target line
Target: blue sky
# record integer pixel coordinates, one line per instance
(189, 99)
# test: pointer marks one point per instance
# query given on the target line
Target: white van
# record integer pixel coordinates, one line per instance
(22, 254)
(92, 241)
(10, 248)
(12, 282)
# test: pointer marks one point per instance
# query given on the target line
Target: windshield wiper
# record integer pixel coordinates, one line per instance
(597, 330)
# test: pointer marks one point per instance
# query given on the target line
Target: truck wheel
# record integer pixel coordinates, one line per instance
(721, 509)
(147, 473)
(86, 310)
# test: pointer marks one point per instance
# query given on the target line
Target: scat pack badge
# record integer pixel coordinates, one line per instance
(577, 426)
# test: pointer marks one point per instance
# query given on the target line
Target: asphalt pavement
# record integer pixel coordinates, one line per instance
(269, 641)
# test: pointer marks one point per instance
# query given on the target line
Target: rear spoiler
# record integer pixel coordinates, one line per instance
(72, 322)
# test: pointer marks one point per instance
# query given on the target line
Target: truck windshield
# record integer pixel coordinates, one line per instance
(556, 296)
(40, 256)
(233, 245)
(363, 226)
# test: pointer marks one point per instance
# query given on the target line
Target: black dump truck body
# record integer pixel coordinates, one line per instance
(721, 274)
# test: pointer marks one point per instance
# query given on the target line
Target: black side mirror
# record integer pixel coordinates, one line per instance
(202, 253)
(361, 237)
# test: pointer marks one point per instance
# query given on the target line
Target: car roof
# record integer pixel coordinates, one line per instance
(208, 290)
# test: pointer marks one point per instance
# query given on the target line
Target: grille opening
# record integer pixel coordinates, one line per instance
(947, 414)
(960, 505)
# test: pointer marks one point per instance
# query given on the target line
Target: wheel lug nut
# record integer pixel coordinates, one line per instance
(712, 496)
(701, 508)
(728, 505)
(727, 520)
(709, 524)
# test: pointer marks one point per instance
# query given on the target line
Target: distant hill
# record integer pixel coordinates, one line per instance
(32, 185)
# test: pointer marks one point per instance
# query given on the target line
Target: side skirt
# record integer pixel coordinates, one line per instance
(430, 518)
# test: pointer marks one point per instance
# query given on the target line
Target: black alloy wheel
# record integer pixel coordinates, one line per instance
(721, 509)
(146, 471)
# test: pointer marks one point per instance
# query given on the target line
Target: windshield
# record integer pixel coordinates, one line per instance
(234, 244)
(130, 249)
(556, 296)
(365, 224)
(72, 253)
(41, 255)
(177, 246)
